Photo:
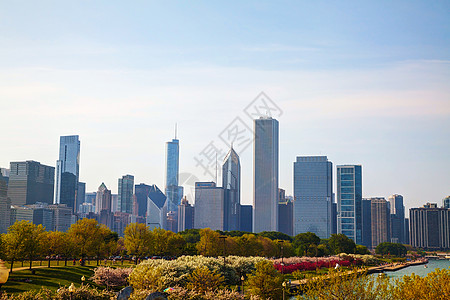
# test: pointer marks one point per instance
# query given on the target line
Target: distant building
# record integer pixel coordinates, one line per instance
(186, 215)
(5, 173)
(62, 217)
(397, 219)
(115, 203)
(21, 213)
(349, 197)
(103, 199)
(42, 215)
(81, 194)
(67, 171)
(265, 172)
(430, 227)
(126, 191)
(209, 204)
(246, 218)
(334, 217)
(156, 208)
(313, 192)
(366, 212)
(380, 218)
(174, 193)
(285, 215)
(141, 191)
(30, 182)
(90, 198)
(231, 182)
(446, 202)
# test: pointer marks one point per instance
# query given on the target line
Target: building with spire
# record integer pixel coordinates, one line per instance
(103, 199)
(231, 183)
(67, 171)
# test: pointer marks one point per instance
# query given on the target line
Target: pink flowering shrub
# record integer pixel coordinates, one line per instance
(310, 266)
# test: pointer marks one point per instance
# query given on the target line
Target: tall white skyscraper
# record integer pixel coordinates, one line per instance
(313, 190)
(67, 171)
(265, 175)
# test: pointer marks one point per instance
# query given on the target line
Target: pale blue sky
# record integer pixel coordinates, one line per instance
(362, 82)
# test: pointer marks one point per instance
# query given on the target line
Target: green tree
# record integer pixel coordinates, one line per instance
(275, 235)
(15, 241)
(304, 241)
(202, 279)
(54, 243)
(391, 249)
(360, 249)
(248, 245)
(265, 281)
(340, 243)
(137, 239)
(33, 246)
(84, 234)
(209, 244)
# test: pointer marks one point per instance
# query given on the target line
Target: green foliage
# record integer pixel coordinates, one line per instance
(137, 239)
(81, 293)
(275, 235)
(306, 244)
(340, 243)
(391, 249)
(360, 249)
(202, 279)
(265, 282)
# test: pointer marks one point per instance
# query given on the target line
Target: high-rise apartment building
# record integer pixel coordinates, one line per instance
(125, 200)
(397, 212)
(380, 219)
(186, 215)
(209, 206)
(30, 182)
(103, 199)
(430, 227)
(265, 175)
(68, 171)
(231, 183)
(349, 197)
(313, 191)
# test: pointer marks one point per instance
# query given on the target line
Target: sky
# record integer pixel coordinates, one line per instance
(360, 82)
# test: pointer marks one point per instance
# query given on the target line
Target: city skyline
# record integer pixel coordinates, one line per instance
(375, 94)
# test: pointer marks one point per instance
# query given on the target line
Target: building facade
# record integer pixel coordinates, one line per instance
(30, 182)
(103, 199)
(68, 171)
(380, 220)
(246, 218)
(156, 208)
(366, 212)
(141, 191)
(209, 206)
(265, 175)
(446, 202)
(125, 200)
(398, 225)
(430, 227)
(174, 193)
(231, 183)
(186, 214)
(313, 190)
(349, 198)
(5, 206)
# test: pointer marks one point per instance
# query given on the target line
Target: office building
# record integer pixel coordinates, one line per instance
(380, 219)
(265, 175)
(366, 219)
(349, 198)
(81, 194)
(209, 206)
(141, 191)
(156, 208)
(90, 198)
(5, 173)
(67, 171)
(285, 214)
(120, 222)
(246, 218)
(333, 217)
(446, 202)
(231, 183)
(30, 182)
(397, 219)
(5, 206)
(313, 192)
(174, 193)
(430, 227)
(21, 213)
(42, 215)
(103, 199)
(62, 217)
(125, 200)
(186, 215)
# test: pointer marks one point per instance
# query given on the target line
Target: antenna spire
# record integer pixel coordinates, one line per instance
(216, 167)
(175, 130)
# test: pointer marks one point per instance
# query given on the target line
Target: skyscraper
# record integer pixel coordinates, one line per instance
(265, 175)
(349, 197)
(313, 191)
(125, 200)
(156, 208)
(231, 182)
(67, 171)
(380, 216)
(430, 227)
(141, 191)
(397, 213)
(285, 214)
(30, 182)
(5, 206)
(186, 215)
(174, 193)
(103, 199)
(366, 212)
(446, 202)
(209, 212)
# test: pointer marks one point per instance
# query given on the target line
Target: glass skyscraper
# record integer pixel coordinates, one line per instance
(313, 190)
(231, 182)
(67, 171)
(174, 193)
(125, 197)
(349, 198)
(397, 216)
(265, 174)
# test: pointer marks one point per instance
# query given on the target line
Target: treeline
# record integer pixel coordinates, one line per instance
(89, 239)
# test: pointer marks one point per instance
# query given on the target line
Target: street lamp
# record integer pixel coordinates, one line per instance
(242, 281)
(284, 286)
(282, 256)
(82, 280)
(71, 290)
(4, 274)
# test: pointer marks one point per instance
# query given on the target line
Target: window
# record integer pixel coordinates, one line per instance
(346, 177)
(347, 190)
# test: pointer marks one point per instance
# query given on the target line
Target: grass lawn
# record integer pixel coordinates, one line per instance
(50, 278)
(54, 263)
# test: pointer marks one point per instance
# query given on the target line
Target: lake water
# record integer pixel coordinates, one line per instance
(420, 269)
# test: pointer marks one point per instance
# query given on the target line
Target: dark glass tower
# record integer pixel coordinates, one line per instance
(231, 182)
(397, 214)
(125, 197)
(67, 171)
